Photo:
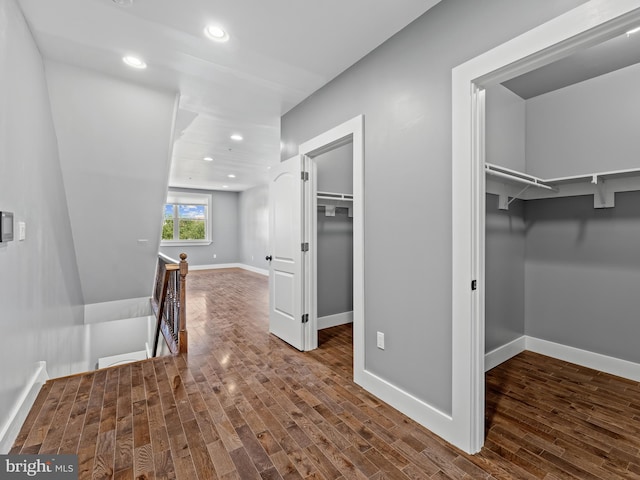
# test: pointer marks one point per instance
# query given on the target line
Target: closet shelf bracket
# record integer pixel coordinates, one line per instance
(604, 198)
(329, 210)
(504, 202)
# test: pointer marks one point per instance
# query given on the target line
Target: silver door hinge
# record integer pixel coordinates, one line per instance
(304, 176)
(305, 246)
(305, 318)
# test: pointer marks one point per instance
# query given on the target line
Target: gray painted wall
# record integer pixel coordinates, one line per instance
(335, 170)
(581, 267)
(335, 263)
(505, 234)
(403, 88)
(504, 273)
(254, 226)
(42, 304)
(335, 234)
(224, 232)
(588, 127)
(582, 274)
(505, 128)
(583, 264)
(114, 152)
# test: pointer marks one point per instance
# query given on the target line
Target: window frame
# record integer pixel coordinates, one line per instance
(183, 198)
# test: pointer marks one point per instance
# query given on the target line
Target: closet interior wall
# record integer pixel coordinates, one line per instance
(505, 232)
(335, 239)
(559, 269)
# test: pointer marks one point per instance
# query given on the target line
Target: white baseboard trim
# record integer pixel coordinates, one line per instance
(329, 321)
(251, 268)
(21, 408)
(585, 358)
(505, 352)
(216, 266)
(433, 419)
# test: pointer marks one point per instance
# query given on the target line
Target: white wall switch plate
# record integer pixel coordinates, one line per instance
(380, 340)
(22, 231)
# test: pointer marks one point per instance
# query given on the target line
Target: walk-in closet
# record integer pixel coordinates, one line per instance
(563, 209)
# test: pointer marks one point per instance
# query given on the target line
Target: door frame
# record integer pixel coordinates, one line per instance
(349, 131)
(582, 27)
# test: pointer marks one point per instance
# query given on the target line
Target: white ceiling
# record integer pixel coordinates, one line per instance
(279, 52)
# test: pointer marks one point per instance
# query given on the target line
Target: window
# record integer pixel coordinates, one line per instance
(186, 219)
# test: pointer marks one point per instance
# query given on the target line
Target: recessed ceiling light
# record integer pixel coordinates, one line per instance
(208, 159)
(231, 175)
(123, 3)
(225, 186)
(134, 62)
(237, 137)
(216, 33)
(634, 30)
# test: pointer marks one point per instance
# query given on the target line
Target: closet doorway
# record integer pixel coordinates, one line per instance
(333, 221)
(581, 28)
(319, 283)
(336, 213)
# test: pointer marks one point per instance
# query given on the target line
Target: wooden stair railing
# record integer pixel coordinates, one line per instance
(169, 303)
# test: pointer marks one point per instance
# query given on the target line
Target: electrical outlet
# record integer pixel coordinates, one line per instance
(214, 255)
(381, 340)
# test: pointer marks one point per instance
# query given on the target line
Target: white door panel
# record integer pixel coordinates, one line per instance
(284, 293)
(286, 272)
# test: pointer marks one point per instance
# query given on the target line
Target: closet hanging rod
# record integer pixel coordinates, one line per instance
(516, 176)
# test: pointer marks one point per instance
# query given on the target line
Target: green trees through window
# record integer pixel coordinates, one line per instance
(184, 222)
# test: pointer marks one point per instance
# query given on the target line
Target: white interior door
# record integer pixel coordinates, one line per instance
(287, 287)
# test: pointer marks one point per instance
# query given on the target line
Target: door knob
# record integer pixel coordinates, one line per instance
(268, 258)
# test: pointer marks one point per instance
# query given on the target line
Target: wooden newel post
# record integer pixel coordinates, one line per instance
(182, 336)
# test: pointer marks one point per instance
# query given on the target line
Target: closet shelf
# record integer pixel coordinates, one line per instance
(595, 177)
(335, 196)
(515, 176)
(602, 185)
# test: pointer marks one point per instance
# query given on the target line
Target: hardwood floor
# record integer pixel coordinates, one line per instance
(244, 405)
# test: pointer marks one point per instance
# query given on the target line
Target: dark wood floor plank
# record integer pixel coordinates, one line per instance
(157, 425)
(244, 465)
(124, 424)
(91, 427)
(41, 426)
(244, 405)
(31, 417)
(61, 418)
(76, 422)
(199, 452)
(144, 462)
